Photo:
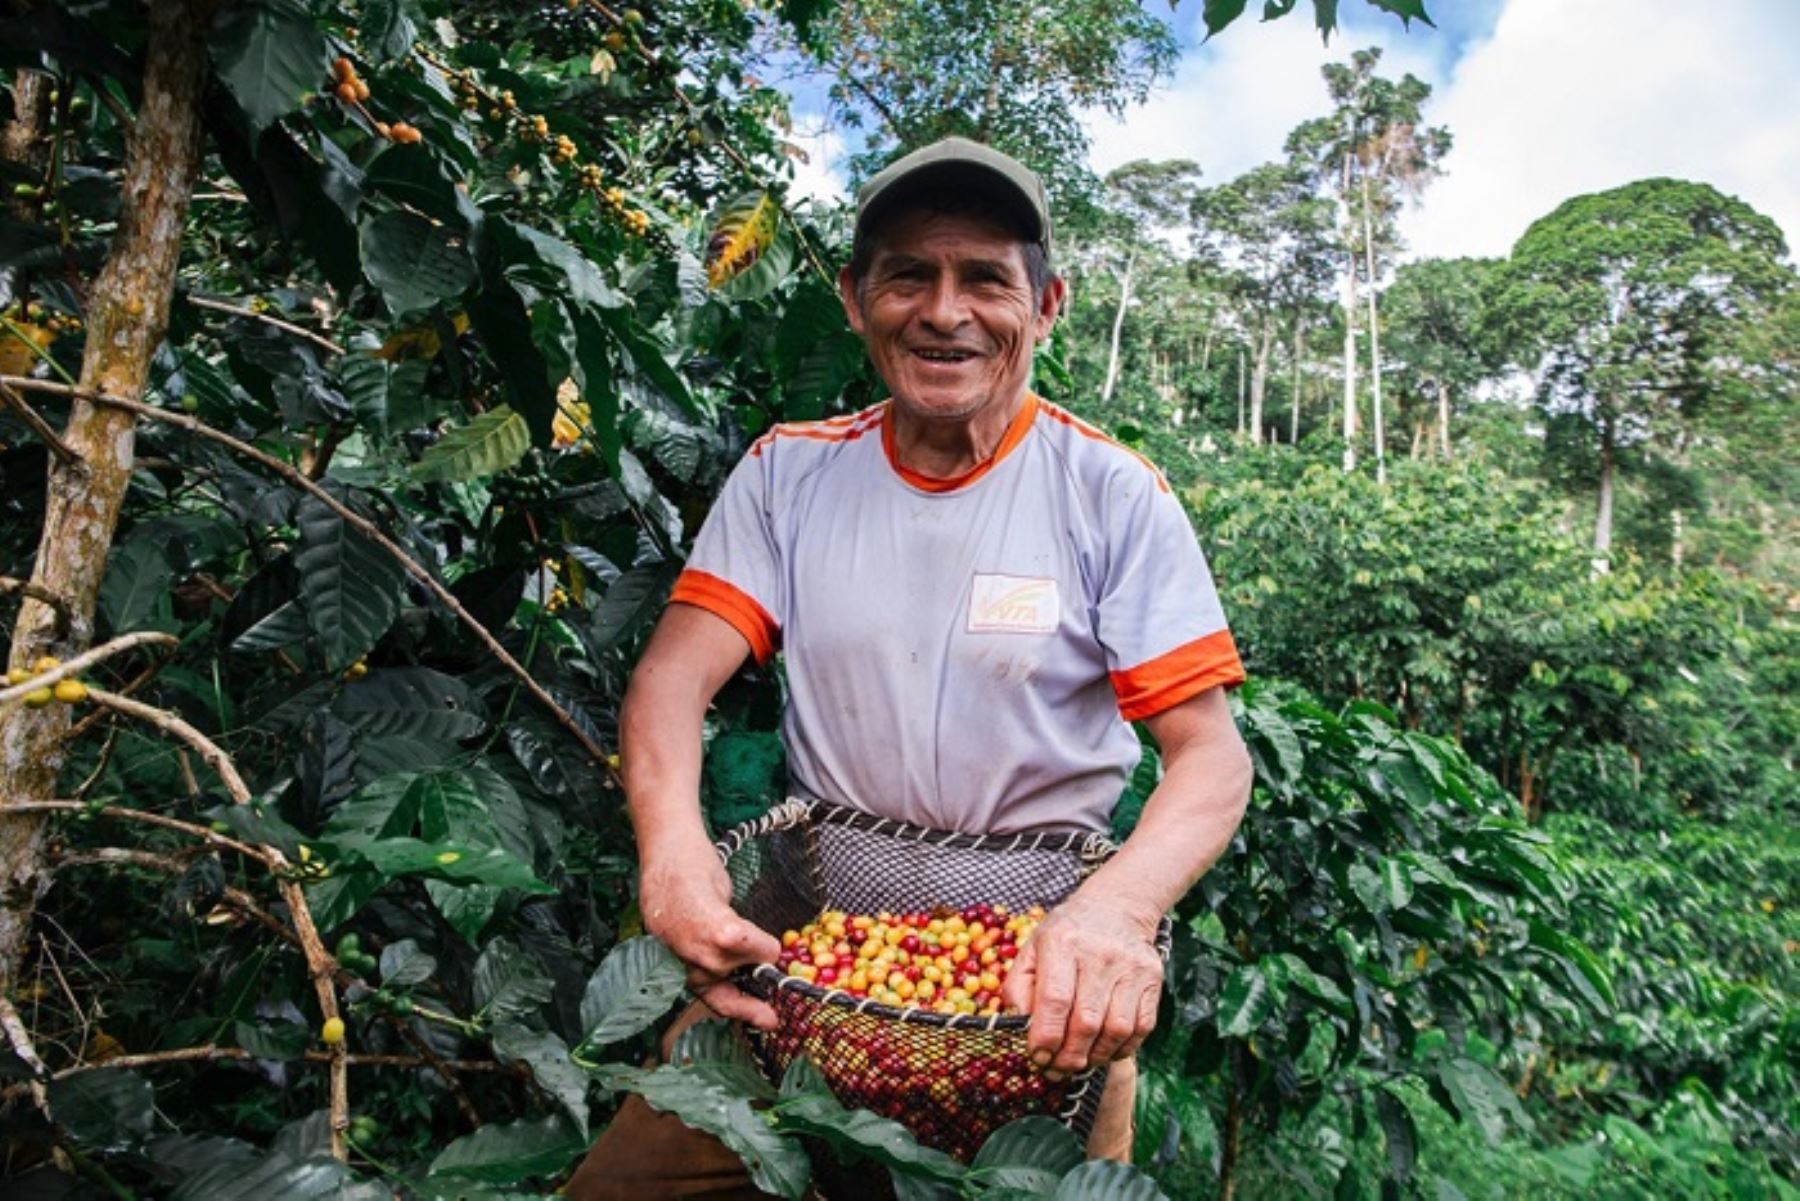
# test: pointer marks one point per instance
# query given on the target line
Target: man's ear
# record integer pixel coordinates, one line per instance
(847, 294)
(1050, 305)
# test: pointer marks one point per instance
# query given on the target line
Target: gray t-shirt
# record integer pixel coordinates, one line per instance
(964, 654)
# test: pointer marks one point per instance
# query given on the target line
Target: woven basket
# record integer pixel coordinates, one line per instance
(950, 1078)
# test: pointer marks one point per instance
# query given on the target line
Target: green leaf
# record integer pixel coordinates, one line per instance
(270, 55)
(1479, 1097)
(403, 964)
(467, 907)
(413, 261)
(629, 600)
(134, 593)
(456, 864)
(276, 1040)
(1584, 971)
(777, 1164)
(1031, 1155)
(512, 1152)
(718, 1047)
(636, 984)
(414, 702)
(1385, 890)
(547, 1056)
(1219, 13)
(1248, 1000)
(277, 1175)
(808, 1107)
(507, 982)
(1107, 1180)
(351, 586)
(1401, 1134)
(532, 256)
(108, 1109)
(389, 28)
(1273, 729)
(493, 442)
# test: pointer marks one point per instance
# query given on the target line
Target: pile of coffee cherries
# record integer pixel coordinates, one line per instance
(945, 961)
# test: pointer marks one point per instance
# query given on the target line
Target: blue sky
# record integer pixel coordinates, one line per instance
(1546, 99)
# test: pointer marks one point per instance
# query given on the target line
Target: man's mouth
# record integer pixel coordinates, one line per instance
(943, 356)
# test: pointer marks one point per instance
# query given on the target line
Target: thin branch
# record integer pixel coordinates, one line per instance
(83, 661)
(41, 594)
(163, 720)
(14, 1025)
(44, 430)
(442, 1067)
(265, 856)
(99, 715)
(209, 1051)
(357, 522)
(288, 327)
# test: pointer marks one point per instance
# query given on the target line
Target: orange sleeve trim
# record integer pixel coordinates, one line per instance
(1183, 673)
(724, 599)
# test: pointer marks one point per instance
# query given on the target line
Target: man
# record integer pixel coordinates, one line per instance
(975, 591)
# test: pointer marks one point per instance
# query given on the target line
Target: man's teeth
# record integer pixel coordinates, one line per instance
(944, 356)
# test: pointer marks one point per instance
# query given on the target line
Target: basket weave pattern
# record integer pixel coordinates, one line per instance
(950, 1078)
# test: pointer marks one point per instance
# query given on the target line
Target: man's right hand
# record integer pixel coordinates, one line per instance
(686, 902)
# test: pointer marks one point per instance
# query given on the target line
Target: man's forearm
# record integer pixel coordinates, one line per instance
(1187, 823)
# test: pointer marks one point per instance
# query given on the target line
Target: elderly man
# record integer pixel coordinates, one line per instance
(975, 592)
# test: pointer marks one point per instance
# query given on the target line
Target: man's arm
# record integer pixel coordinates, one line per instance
(1090, 976)
(683, 889)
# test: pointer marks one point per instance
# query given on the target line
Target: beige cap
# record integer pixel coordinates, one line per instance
(949, 160)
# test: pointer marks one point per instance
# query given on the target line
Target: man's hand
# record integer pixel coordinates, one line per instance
(1090, 978)
(687, 903)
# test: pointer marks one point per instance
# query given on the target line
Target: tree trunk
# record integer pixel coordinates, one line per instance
(1349, 326)
(1443, 395)
(1604, 511)
(1676, 551)
(1232, 1134)
(1259, 381)
(1374, 337)
(23, 142)
(1118, 327)
(1240, 427)
(127, 315)
(1418, 440)
(1299, 357)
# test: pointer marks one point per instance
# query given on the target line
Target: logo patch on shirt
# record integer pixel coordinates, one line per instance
(1010, 604)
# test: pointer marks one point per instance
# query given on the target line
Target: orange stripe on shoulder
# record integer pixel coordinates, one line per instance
(1058, 413)
(1183, 673)
(833, 429)
(724, 599)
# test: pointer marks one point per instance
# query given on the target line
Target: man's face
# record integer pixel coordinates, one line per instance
(947, 312)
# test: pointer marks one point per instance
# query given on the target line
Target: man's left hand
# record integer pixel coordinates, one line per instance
(1090, 978)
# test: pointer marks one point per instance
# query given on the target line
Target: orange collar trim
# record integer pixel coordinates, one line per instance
(1015, 434)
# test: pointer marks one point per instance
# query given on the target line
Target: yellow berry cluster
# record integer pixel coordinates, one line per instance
(353, 90)
(947, 961)
(69, 691)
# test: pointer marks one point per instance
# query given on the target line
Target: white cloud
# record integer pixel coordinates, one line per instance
(819, 175)
(1562, 98)
(1568, 98)
(1235, 98)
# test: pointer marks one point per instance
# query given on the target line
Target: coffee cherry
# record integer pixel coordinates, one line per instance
(332, 1032)
(37, 698)
(70, 692)
(347, 93)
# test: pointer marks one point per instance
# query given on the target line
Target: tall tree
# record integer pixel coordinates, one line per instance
(1146, 203)
(1016, 74)
(1371, 152)
(1270, 235)
(1436, 333)
(1632, 306)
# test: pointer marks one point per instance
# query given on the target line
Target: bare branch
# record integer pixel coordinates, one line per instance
(163, 720)
(43, 429)
(42, 595)
(268, 857)
(286, 327)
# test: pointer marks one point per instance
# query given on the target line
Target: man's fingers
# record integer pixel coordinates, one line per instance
(1146, 1020)
(1052, 995)
(746, 943)
(1021, 981)
(729, 1001)
(1087, 1019)
(1120, 1026)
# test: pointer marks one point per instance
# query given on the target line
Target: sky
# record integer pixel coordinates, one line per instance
(1546, 99)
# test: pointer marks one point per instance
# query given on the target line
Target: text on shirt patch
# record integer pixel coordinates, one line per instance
(1010, 604)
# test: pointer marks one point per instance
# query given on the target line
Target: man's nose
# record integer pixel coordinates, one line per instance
(943, 309)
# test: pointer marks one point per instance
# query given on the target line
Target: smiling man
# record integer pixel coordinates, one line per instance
(975, 592)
